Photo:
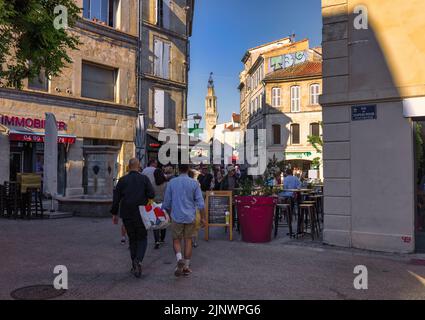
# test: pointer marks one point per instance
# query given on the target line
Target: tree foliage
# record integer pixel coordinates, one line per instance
(29, 42)
(316, 141)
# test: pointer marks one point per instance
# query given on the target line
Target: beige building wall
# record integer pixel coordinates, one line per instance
(86, 118)
(176, 34)
(308, 115)
(369, 165)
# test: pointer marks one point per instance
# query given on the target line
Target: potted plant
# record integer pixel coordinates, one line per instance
(256, 205)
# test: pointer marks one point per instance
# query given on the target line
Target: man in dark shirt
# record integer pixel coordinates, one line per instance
(132, 191)
(205, 179)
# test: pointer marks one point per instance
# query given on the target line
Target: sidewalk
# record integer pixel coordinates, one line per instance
(99, 266)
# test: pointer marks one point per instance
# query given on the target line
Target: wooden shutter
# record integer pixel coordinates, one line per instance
(158, 59)
(315, 130)
(276, 134)
(166, 61)
(295, 134)
(159, 109)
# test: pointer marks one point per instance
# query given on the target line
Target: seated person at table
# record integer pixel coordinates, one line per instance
(290, 182)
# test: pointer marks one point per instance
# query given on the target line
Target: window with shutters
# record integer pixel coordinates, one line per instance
(162, 62)
(295, 134)
(314, 94)
(276, 97)
(98, 82)
(295, 99)
(163, 13)
(315, 129)
(276, 134)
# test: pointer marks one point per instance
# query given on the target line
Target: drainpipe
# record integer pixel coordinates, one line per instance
(142, 136)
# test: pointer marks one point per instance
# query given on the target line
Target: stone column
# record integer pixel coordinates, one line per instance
(336, 125)
(74, 170)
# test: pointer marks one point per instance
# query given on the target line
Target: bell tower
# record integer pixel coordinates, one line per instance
(211, 115)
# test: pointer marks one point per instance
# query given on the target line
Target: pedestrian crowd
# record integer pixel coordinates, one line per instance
(181, 195)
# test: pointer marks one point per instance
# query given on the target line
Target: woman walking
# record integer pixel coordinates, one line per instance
(159, 187)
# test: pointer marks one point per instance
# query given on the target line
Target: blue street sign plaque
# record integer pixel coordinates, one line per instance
(359, 113)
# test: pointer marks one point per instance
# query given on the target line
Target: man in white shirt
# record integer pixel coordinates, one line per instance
(150, 170)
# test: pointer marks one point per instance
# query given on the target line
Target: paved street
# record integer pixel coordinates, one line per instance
(99, 266)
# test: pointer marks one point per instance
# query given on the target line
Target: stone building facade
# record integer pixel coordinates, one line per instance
(279, 88)
(373, 103)
(95, 99)
(167, 27)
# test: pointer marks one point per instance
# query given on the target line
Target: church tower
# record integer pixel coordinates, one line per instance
(211, 115)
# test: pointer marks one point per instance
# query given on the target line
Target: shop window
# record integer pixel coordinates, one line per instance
(162, 56)
(98, 82)
(103, 11)
(295, 134)
(276, 134)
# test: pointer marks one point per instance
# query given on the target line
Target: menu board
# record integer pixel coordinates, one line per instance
(218, 206)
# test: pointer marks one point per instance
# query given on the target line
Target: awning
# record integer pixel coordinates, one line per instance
(31, 136)
(192, 141)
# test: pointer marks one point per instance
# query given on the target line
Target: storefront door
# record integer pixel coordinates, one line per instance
(16, 164)
(419, 131)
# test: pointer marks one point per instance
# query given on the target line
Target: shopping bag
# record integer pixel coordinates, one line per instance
(198, 224)
(153, 217)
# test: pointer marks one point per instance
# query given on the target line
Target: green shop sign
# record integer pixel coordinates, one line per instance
(299, 155)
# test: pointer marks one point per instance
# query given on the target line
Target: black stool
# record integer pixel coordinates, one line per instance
(307, 220)
(283, 212)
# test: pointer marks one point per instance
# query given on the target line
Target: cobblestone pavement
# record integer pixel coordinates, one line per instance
(99, 266)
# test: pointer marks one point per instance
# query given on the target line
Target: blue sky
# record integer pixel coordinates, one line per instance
(224, 29)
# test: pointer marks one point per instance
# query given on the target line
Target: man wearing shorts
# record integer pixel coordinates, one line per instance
(182, 197)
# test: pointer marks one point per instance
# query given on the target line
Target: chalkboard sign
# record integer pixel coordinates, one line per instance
(359, 113)
(219, 205)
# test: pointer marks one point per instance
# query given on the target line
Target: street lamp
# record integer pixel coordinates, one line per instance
(197, 120)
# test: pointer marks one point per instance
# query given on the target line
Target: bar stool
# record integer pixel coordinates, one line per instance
(319, 200)
(316, 212)
(13, 199)
(33, 204)
(307, 220)
(283, 211)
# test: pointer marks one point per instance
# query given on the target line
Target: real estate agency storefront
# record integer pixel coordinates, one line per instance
(79, 126)
(23, 137)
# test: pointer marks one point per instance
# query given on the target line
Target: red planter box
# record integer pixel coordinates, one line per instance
(255, 216)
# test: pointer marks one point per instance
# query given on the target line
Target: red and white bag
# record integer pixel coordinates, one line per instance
(154, 218)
